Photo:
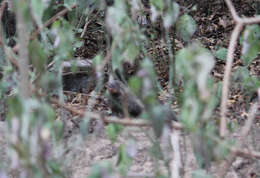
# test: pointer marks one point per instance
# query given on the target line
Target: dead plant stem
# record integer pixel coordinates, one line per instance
(225, 89)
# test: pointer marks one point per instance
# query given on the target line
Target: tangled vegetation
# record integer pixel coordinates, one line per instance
(116, 60)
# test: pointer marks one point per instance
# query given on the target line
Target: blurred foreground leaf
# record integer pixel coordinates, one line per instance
(221, 53)
(124, 161)
(251, 44)
(113, 130)
(200, 174)
(186, 27)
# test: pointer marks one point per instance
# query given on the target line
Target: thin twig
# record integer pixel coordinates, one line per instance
(252, 20)
(237, 19)
(86, 23)
(123, 121)
(80, 20)
(51, 20)
(225, 88)
(232, 10)
(245, 153)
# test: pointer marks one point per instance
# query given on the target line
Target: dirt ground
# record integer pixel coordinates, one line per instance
(93, 151)
(82, 154)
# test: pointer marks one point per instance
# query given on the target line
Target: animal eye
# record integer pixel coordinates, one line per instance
(127, 65)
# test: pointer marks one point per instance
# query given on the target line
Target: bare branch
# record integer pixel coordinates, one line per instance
(232, 10)
(23, 62)
(251, 20)
(123, 121)
(245, 153)
(240, 22)
(51, 20)
(176, 161)
(225, 88)
(244, 20)
(86, 23)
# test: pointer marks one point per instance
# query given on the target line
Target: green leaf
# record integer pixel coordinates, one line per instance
(200, 174)
(156, 151)
(251, 44)
(233, 126)
(221, 53)
(58, 131)
(159, 4)
(251, 54)
(246, 82)
(84, 126)
(55, 169)
(194, 64)
(115, 17)
(37, 10)
(135, 84)
(218, 91)
(190, 112)
(68, 3)
(171, 15)
(117, 58)
(113, 130)
(101, 170)
(132, 51)
(123, 161)
(86, 3)
(37, 55)
(241, 74)
(50, 82)
(63, 39)
(15, 107)
(97, 60)
(186, 27)
(157, 118)
(46, 113)
(221, 151)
